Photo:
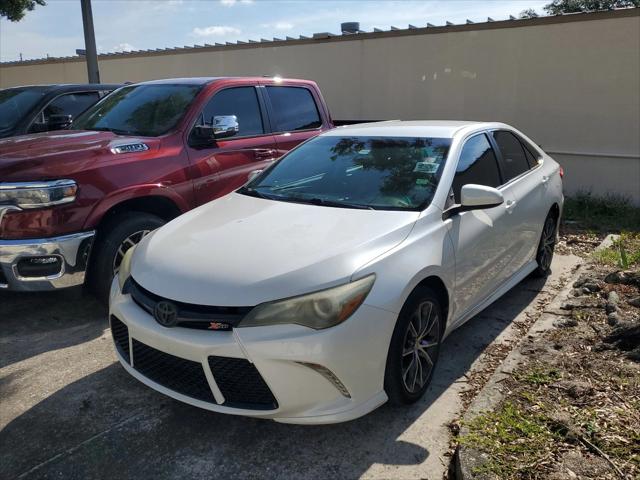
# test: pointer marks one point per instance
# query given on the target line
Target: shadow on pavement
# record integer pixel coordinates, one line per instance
(107, 425)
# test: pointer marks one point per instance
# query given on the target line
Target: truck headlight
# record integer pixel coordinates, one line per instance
(38, 194)
(317, 310)
(124, 271)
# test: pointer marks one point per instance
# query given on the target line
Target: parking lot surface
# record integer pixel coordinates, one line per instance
(70, 411)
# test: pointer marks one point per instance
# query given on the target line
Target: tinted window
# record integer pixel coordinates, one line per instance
(477, 165)
(294, 109)
(15, 103)
(514, 160)
(146, 109)
(71, 104)
(241, 102)
(365, 172)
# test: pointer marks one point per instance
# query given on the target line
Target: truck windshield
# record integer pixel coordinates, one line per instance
(15, 103)
(381, 173)
(145, 110)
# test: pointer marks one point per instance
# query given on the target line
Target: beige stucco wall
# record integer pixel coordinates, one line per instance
(572, 86)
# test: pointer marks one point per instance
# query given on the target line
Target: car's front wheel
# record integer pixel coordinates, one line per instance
(414, 349)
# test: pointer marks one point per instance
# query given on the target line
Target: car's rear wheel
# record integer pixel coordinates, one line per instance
(415, 346)
(546, 247)
(117, 236)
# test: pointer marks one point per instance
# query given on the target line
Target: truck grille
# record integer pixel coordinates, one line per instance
(120, 334)
(178, 374)
(189, 315)
(241, 384)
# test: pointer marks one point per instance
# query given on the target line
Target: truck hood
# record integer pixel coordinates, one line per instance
(242, 251)
(58, 154)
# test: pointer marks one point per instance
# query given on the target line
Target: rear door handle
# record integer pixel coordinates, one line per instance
(510, 205)
(265, 154)
(545, 179)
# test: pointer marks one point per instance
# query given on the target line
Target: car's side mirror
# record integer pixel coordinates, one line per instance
(59, 122)
(475, 197)
(225, 126)
(480, 196)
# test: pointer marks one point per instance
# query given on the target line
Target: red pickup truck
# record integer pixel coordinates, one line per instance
(73, 201)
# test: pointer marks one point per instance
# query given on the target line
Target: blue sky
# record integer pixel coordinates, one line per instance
(123, 25)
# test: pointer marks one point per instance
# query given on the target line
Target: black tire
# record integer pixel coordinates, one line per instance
(546, 246)
(400, 380)
(127, 227)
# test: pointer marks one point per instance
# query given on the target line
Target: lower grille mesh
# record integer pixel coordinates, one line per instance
(120, 334)
(183, 376)
(241, 384)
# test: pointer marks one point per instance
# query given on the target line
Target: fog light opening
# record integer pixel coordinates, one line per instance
(41, 266)
(329, 375)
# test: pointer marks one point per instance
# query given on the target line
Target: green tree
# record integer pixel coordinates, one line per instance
(558, 7)
(14, 10)
(528, 13)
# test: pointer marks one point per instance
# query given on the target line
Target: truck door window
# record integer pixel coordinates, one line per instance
(70, 104)
(241, 102)
(294, 109)
(477, 164)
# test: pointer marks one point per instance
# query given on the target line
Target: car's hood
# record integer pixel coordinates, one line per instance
(242, 251)
(58, 154)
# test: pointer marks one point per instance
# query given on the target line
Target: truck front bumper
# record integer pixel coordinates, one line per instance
(45, 263)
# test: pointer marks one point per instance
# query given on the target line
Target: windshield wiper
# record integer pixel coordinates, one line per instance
(252, 192)
(333, 203)
(113, 130)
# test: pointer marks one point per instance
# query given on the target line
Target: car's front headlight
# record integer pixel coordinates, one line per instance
(317, 310)
(125, 267)
(38, 194)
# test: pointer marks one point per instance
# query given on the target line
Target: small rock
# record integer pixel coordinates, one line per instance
(565, 323)
(613, 297)
(635, 302)
(576, 292)
(610, 308)
(613, 319)
(586, 290)
(592, 287)
(614, 277)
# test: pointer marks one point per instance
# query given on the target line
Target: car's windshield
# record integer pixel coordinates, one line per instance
(146, 110)
(387, 173)
(15, 103)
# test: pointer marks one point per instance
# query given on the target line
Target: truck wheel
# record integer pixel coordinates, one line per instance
(117, 236)
(415, 345)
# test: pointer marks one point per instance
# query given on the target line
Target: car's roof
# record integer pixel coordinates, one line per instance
(50, 87)
(411, 128)
(207, 80)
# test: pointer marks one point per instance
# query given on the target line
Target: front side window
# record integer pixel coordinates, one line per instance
(241, 102)
(147, 110)
(514, 161)
(387, 173)
(477, 165)
(68, 104)
(15, 103)
(294, 109)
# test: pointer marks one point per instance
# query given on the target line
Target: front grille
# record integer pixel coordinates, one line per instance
(120, 334)
(189, 315)
(178, 374)
(241, 384)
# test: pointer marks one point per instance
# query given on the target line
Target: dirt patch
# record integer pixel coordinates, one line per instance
(572, 408)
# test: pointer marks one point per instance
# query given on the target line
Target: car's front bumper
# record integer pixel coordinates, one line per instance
(286, 357)
(69, 252)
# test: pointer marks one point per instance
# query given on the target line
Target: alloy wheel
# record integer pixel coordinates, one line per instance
(420, 347)
(547, 244)
(126, 244)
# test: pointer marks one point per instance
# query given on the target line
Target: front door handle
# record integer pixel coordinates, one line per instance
(265, 153)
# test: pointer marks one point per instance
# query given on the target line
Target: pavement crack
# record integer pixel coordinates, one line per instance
(73, 449)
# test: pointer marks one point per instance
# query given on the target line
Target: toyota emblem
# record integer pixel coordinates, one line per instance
(166, 314)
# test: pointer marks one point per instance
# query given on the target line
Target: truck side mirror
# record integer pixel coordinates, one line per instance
(59, 122)
(225, 126)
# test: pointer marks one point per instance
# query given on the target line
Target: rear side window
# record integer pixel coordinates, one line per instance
(241, 102)
(514, 160)
(70, 104)
(477, 165)
(294, 109)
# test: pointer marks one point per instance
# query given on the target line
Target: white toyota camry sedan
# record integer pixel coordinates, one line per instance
(325, 286)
